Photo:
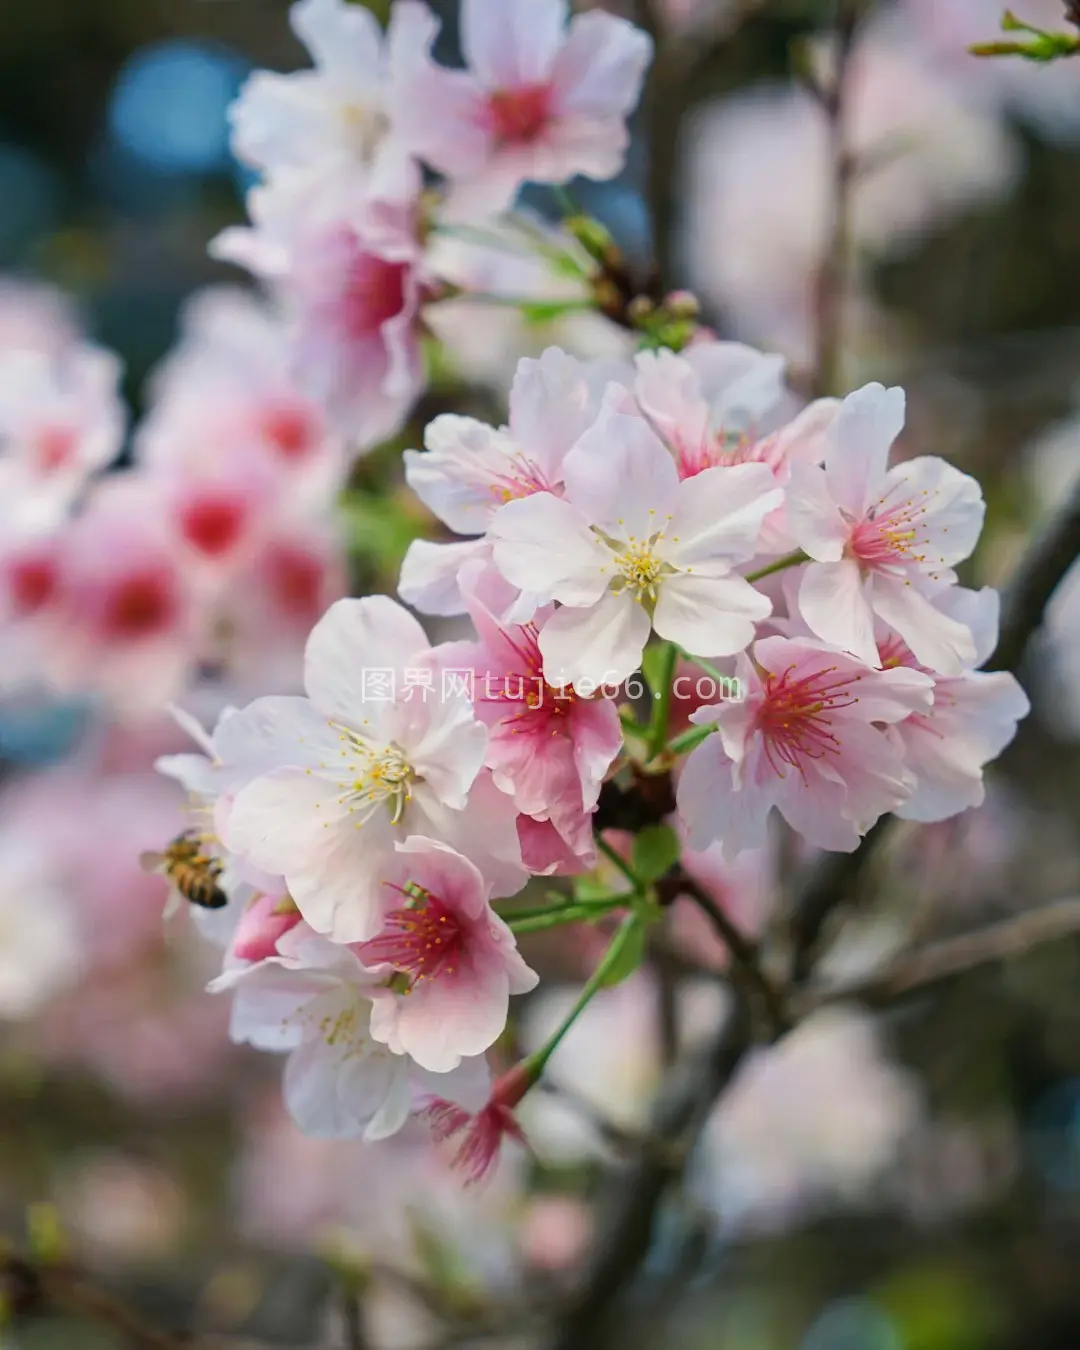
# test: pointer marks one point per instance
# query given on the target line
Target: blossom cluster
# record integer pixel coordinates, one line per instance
(365, 840)
(352, 847)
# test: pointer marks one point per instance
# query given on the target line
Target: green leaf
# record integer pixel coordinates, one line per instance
(653, 665)
(656, 849)
(630, 955)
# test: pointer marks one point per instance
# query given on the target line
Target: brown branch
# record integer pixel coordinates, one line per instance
(681, 1111)
(29, 1285)
(831, 285)
(744, 952)
(929, 965)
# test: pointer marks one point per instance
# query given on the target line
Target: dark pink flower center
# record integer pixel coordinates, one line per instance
(795, 719)
(32, 583)
(295, 578)
(213, 523)
(517, 116)
(54, 448)
(424, 939)
(142, 603)
(290, 431)
(887, 536)
(374, 292)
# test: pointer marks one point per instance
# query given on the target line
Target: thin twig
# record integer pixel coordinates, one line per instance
(830, 290)
(29, 1283)
(681, 1111)
(929, 965)
(744, 952)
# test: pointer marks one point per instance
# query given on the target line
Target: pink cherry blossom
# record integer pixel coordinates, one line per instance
(313, 1001)
(348, 270)
(882, 540)
(521, 257)
(262, 925)
(114, 610)
(481, 1133)
(331, 120)
(225, 392)
(804, 738)
(538, 101)
(362, 761)
(972, 720)
(459, 959)
(469, 470)
(61, 420)
(549, 749)
(630, 548)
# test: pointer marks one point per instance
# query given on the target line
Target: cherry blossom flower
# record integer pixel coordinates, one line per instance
(549, 749)
(480, 1133)
(114, 609)
(972, 720)
(365, 759)
(264, 922)
(521, 258)
(332, 120)
(313, 1001)
(538, 101)
(469, 470)
(815, 1118)
(39, 943)
(61, 419)
(458, 959)
(348, 271)
(630, 548)
(883, 540)
(225, 392)
(36, 318)
(803, 738)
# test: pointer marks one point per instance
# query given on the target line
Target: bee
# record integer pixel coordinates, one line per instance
(193, 873)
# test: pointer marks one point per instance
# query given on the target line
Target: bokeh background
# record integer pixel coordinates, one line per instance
(907, 1183)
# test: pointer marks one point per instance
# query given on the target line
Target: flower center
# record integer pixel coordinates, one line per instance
(423, 939)
(366, 128)
(296, 580)
(522, 478)
(374, 292)
(55, 447)
(795, 717)
(517, 116)
(142, 604)
(289, 431)
(888, 535)
(379, 774)
(213, 523)
(32, 583)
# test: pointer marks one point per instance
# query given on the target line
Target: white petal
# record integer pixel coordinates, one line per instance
(709, 616)
(550, 406)
(719, 514)
(833, 603)
(739, 383)
(429, 574)
(814, 519)
(594, 647)
(509, 43)
(858, 444)
(936, 640)
(544, 545)
(669, 392)
(352, 637)
(621, 477)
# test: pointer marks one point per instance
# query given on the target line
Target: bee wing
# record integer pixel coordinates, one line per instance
(151, 861)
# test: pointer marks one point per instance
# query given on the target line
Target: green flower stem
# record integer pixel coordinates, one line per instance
(658, 722)
(688, 740)
(614, 857)
(630, 724)
(538, 1060)
(788, 560)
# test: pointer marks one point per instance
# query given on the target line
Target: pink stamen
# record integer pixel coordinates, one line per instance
(518, 116)
(423, 939)
(794, 719)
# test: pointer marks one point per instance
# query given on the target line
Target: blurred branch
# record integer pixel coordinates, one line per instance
(681, 59)
(28, 1286)
(831, 287)
(681, 1111)
(929, 965)
(835, 878)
